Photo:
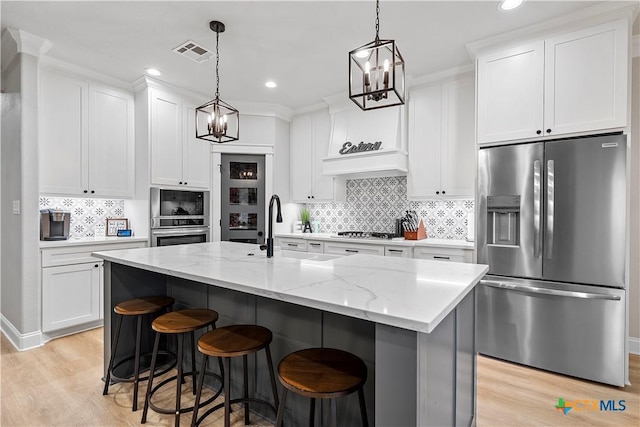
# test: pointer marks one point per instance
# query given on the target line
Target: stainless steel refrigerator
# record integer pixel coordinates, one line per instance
(552, 227)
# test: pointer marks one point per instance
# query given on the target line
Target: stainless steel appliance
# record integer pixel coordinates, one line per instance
(179, 217)
(552, 227)
(54, 224)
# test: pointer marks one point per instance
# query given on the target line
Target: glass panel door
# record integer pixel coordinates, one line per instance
(242, 204)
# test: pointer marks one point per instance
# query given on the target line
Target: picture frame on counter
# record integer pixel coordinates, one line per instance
(115, 224)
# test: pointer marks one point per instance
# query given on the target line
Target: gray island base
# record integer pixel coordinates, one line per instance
(411, 321)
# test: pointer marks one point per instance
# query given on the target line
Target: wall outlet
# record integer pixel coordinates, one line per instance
(16, 207)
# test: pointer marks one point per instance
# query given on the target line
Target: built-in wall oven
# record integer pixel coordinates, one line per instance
(179, 217)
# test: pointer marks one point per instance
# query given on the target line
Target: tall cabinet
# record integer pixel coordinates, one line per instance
(86, 137)
(441, 140)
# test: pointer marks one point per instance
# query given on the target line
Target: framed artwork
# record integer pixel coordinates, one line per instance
(115, 224)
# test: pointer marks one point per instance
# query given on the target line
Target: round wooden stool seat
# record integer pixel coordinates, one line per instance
(234, 340)
(143, 305)
(182, 321)
(322, 372)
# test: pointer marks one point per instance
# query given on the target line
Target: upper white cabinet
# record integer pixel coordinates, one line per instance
(177, 157)
(571, 83)
(86, 142)
(310, 134)
(441, 140)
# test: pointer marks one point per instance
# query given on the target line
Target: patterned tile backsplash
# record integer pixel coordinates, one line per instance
(373, 204)
(85, 213)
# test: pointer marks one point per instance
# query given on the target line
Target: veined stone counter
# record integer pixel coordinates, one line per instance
(411, 321)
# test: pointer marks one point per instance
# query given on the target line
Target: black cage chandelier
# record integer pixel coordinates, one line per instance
(376, 73)
(217, 121)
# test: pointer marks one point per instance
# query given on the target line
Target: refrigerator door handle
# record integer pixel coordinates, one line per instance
(537, 202)
(550, 207)
(545, 291)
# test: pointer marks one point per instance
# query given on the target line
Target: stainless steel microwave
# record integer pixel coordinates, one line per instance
(179, 208)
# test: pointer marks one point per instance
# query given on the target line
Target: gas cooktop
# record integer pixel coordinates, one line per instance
(365, 235)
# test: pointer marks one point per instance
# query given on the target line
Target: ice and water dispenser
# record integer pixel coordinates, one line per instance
(503, 220)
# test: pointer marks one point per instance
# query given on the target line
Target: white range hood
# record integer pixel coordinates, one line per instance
(366, 143)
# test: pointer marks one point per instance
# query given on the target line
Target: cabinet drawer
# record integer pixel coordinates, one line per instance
(52, 257)
(443, 254)
(292, 244)
(315, 247)
(352, 249)
(397, 251)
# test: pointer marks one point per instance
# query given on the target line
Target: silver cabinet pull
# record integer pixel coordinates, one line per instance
(537, 202)
(550, 207)
(545, 291)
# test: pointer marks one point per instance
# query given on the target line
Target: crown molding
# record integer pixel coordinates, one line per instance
(15, 41)
(55, 64)
(594, 15)
(310, 108)
(444, 76)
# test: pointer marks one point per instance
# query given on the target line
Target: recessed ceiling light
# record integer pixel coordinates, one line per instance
(510, 4)
(153, 71)
(270, 84)
(363, 53)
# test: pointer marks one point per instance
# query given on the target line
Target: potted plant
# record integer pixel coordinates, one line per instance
(305, 218)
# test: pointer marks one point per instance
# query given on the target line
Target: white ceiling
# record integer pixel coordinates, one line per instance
(302, 45)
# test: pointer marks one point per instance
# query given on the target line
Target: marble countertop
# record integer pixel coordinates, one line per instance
(398, 241)
(79, 241)
(407, 293)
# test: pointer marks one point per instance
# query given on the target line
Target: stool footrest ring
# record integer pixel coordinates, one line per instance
(170, 360)
(190, 408)
(232, 402)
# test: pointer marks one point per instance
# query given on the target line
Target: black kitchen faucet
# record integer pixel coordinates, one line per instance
(269, 245)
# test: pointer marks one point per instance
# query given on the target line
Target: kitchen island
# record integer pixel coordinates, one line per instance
(411, 321)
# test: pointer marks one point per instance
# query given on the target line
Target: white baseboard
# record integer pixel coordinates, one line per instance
(20, 341)
(634, 345)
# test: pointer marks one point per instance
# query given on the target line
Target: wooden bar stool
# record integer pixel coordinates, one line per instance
(136, 307)
(178, 323)
(322, 373)
(228, 342)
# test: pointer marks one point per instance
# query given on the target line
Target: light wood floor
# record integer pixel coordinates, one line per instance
(59, 385)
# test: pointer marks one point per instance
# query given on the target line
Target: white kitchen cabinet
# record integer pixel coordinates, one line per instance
(310, 138)
(177, 157)
(86, 138)
(398, 251)
(441, 140)
(71, 295)
(443, 254)
(72, 285)
(292, 244)
(315, 247)
(571, 83)
(340, 248)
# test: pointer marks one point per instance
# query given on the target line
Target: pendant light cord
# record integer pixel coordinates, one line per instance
(377, 21)
(217, 66)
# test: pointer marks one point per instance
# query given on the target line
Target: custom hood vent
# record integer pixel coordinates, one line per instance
(194, 52)
(367, 143)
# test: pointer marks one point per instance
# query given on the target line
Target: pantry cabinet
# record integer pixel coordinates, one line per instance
(310, 138)
(441, 140)
(178, 158)
(571, 83)
(86, 137)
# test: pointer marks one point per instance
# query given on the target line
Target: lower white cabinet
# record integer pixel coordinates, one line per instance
(72, 285)
(443, 254)
(339, 248)
(292, 244)
(397, 251)
(315, 247)
(71, 295)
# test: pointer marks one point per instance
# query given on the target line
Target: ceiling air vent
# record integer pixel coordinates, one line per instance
(193, 51)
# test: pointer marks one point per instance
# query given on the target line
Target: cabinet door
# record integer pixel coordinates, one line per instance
(586, 79)
(63, 134)
(196, 163)
(111, 142)
(425, 133)
(321, 185)
(301, 147)
(442, 254)
(70, 295)
(458, 149)
(166, 139)
(510, 93)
